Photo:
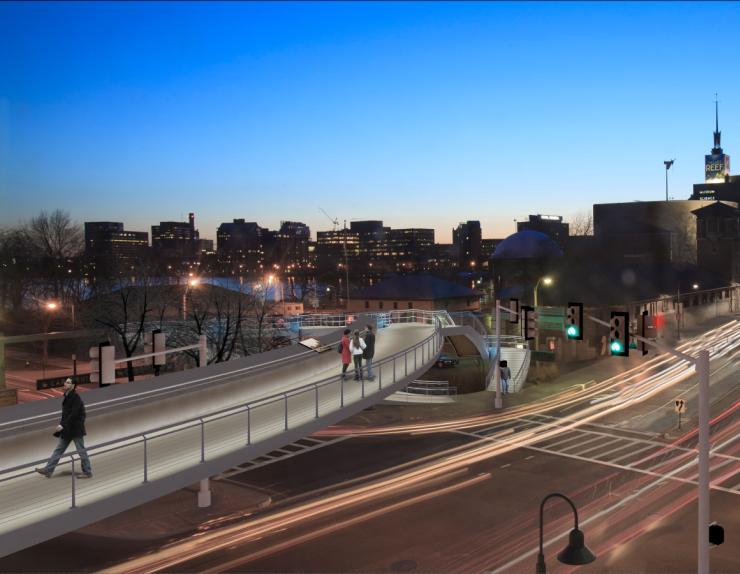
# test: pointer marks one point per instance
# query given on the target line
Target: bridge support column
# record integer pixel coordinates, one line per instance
(204, 494)
(202, 351)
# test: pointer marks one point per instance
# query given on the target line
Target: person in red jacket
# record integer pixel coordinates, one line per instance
(346, 355)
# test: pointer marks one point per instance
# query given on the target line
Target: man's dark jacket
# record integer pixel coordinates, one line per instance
(369, 351)
(73, 416)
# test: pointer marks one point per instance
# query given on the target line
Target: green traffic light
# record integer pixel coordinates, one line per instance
(572, 331)
(616, 347)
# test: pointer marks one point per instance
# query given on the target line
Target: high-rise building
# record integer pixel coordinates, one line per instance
(240, 243)
(410, 248)
(176, 239)
(373, 244)
(718, 184)
(331, 246)
(466, 238)
(109, 239)
(292, 246)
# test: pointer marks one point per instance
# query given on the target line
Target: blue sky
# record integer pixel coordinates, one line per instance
(419, 114)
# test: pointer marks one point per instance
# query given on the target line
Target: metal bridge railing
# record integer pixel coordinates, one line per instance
(155, 453)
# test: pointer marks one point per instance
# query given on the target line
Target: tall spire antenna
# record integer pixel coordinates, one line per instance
(717, 134)
(716, 113)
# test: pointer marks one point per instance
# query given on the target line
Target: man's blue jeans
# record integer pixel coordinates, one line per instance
(505, 386)
(59, 451)
(369, 364)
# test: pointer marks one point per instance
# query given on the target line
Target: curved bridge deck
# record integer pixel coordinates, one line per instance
(152, 437)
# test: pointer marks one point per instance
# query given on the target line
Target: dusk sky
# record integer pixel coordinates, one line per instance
(422, 115)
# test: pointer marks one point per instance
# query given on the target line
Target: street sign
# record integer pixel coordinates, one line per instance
(680, 406)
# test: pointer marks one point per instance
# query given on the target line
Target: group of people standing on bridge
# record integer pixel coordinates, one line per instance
(355, 348)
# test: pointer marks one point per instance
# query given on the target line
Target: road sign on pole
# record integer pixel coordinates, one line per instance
(680, 408)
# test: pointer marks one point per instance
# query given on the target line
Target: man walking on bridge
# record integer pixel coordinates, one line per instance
(369, 351)
(71, 428)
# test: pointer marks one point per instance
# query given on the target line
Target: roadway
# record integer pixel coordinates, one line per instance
(462, 495)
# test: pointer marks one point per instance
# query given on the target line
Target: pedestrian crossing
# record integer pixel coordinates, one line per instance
(621, 448)
(301, 446)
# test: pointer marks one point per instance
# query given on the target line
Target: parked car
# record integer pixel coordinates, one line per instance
(446, 361)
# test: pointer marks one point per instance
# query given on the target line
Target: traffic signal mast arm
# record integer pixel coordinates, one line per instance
(652, 343)
(701, 364)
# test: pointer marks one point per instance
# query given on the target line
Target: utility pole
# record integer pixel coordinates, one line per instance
(701, 366)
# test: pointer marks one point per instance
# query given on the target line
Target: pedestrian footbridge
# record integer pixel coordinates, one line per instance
(152, 437)
(149, 438)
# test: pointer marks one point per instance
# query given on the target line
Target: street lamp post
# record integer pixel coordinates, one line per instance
(575, 553)
(547, 281)
(192, 282)
(668, 164)
(270, 280)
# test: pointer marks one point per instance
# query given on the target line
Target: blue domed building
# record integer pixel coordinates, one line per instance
(521, 260)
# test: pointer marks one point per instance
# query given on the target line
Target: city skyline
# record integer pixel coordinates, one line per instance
(271, 112)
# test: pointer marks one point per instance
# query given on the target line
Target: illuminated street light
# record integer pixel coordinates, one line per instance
(695, 285)
(547, 281)
(51, 305)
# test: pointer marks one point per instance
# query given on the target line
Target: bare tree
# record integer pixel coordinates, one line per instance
(125, 312)
(54, 235)
(220, 315)
(56, 240)
(16, 268)
(582, 223)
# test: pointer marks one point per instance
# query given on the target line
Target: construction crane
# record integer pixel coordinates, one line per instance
(335, 223)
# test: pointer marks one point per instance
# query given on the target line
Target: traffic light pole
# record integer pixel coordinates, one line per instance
(701, 365)
(497, 374)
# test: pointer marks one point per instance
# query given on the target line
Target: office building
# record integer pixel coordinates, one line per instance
(109, 239)
(718, 184)
(240, 244)
(291, 252)
(175, 239)
(551, 225)
(334, 247)
(466, 238)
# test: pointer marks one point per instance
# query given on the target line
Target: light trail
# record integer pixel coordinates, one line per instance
(634, 386)
(636, 383)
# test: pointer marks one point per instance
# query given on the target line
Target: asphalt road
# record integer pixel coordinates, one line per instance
(465, 498)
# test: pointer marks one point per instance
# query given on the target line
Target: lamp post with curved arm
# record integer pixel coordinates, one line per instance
(545, 281)
(575, 553)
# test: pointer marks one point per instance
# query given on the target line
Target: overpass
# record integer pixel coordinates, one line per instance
(151, 437)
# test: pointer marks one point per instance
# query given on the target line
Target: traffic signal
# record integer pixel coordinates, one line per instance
(643, 332)
(529, 323)
(574, 322)
(514, 308)
(619, 335)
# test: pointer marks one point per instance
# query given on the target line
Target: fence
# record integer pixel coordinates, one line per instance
(431, 388)
(163, 451)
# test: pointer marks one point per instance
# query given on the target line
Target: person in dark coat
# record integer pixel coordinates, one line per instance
(369, 351)
(71, 428)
